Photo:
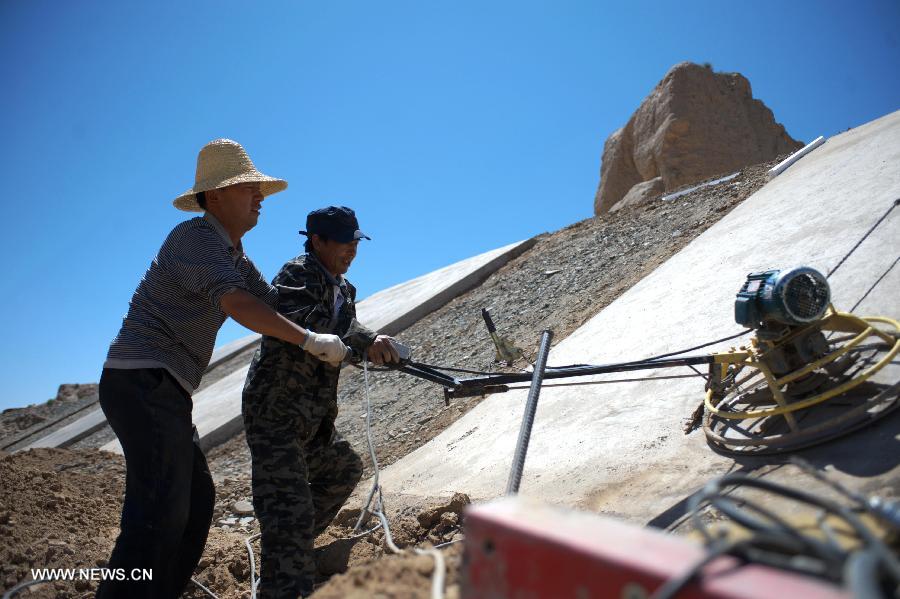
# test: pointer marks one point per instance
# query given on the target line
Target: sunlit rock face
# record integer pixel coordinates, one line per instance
(695, 124)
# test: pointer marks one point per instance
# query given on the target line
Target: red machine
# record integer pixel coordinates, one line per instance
(521, 549)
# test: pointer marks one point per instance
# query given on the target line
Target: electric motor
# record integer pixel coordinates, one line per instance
(792, 297)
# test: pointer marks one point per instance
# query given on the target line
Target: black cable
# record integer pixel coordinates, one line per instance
(669, 354)
(746, 550)
(883, 275)
(637, 380)
(776, 543)
(464, 370)
(684, 351)
(858, 243)
(799, 496)
(651, 359)
(783, 534)
(861, 574)
(673, 586)
(432, 366)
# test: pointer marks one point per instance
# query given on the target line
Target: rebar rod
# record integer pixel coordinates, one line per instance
(515, 475)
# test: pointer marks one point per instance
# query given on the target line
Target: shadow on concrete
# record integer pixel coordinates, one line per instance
(675, 515)
(870, 447)
(868, 451)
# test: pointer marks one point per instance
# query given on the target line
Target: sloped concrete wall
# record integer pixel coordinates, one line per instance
(94, 419)
(620, 448)
(72, 432)
(217, 409)
(396, 308)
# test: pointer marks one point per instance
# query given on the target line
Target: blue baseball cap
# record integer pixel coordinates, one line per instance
(334, 222)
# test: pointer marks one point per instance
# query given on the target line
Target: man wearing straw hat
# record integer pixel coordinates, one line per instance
(199, 277)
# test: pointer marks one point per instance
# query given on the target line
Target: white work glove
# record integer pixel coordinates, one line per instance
(328, 348)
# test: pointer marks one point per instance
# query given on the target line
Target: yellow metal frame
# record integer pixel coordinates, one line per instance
(835, 321)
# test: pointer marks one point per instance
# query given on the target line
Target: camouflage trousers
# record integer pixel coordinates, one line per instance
(298, 488)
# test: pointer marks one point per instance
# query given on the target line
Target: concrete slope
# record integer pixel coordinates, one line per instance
(93, 419)
(230, 349)
(74, 431)
(217, 408)
(620, 448)
(395, 308)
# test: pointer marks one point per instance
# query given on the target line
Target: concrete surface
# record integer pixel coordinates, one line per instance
(228, 350)
(396, 308)
(94, 419)
(620, 448)
(72, 432)
(217, 411)
(217, 408)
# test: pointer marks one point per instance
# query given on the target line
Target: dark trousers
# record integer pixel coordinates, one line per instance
(169, 493)
(298, 488)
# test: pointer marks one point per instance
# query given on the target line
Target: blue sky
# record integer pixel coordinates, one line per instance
(452, 128)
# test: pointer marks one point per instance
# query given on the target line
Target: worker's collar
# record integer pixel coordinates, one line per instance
(338, 281)
(238, 249)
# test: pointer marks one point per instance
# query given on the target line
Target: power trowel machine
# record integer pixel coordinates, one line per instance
(805, 377)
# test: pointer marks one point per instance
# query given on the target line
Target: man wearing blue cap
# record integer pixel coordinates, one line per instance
(303, 472)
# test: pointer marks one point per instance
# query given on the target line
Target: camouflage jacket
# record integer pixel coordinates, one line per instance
(286, 386)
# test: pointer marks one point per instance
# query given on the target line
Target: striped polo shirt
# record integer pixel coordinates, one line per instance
(174, 315)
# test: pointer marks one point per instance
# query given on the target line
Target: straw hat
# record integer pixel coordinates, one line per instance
(220, 163)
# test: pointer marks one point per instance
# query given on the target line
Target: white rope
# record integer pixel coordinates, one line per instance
(362, 534)
(363, 515)
(23, 585)
(440, 568)
(206, 590)
(254, 582)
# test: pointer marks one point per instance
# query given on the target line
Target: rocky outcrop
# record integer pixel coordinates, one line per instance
(695, 124)
(640, 193)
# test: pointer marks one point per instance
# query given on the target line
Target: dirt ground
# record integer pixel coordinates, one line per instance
(60, 507)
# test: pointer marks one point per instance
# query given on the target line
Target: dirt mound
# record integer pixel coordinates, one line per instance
(695, 124)
(349, 566)
(395, 576)
(374, 573)
(60, 508)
